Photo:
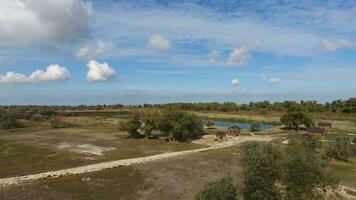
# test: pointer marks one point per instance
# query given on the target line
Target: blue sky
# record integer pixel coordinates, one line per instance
(131, 52)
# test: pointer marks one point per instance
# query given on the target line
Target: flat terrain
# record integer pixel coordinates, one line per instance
(54, 149)
(177, 178)
(96, 139)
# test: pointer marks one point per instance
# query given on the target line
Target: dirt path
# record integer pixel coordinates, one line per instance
(126, 162)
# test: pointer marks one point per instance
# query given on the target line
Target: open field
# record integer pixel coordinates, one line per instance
(177, 178)
(94, 139)
(51, 149)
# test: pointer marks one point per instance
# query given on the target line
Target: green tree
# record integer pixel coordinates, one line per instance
(179, 125)
(149, 122)
(132, 125)
(221, 189)
(341, 149)
(262, 166)
(295, 117)
(305, 174)
(255, 126)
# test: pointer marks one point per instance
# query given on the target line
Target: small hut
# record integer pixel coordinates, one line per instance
(220, 136)
(325, 125)
(233, 131)
(315, 132)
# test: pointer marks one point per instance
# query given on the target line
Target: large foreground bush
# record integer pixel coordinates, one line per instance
(222, 189)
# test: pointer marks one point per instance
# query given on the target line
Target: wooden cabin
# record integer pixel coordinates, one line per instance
(220, 136)
(325, 125)
(315, 132)
(233, 131)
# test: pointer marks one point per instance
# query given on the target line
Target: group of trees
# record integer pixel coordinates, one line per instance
(263, 107)
(297, 116)
(172, 124)
(273, 172)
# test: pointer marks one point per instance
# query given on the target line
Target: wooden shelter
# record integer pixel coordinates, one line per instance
(315, 132)
(325, 125)
(233, 131)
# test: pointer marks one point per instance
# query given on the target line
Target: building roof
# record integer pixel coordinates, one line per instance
(315, 130)
(324, 123)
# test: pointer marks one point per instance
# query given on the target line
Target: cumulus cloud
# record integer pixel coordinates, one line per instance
(238, 57)
(99, 72)
(53, 73)
(158, 43)
(334, 45)
(213, 55)
(43, 21)
(274, 80)
(235, 81)
(92, 50)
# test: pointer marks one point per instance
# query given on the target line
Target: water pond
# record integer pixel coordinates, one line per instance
(243, 125)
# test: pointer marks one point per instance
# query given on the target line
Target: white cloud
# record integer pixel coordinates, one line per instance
(213, 55)
(334, 45)
(99, 72)
(53, 73)
(92, 50)
(235, 81)
(159, 43)
(43, 21)
(238, 57)
(274, 80)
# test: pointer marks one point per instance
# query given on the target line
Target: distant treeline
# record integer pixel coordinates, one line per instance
(343, 106)
(337, 106)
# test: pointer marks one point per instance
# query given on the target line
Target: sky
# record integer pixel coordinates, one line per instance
(70, 52)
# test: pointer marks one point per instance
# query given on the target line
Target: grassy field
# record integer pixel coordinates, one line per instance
(177, 178)
(346, 171)
(38, 150)
(92, 139)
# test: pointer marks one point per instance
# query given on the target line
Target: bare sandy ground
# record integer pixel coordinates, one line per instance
(133, 161)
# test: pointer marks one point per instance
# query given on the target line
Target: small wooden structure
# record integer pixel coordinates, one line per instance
(220, 136)
(325, 125)
(315, 132)
(233, 131)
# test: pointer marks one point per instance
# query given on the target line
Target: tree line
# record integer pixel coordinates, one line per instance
(341, 106)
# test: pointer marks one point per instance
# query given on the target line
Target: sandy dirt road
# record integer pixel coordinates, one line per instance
(133, 161)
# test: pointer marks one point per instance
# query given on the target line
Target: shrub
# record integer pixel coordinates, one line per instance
(341, 149)
(261, 171)
(9, 122)
(57, 123)
(221, 189)
(305, 174)
(132, 126)
(255, 126)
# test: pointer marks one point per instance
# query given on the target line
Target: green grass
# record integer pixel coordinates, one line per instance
(19, 159)
(346, 171)
(107, 184)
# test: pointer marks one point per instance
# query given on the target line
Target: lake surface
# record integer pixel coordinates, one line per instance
(244, 125)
